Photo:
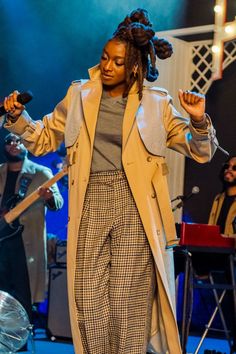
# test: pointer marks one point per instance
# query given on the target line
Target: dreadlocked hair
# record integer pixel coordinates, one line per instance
(142, 48)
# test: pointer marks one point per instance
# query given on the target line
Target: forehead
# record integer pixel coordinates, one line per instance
(115, 48)
(11, 137)
(232, 161)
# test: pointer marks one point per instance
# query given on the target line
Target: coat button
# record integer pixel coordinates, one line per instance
(72, 183)
(149, 158)
(77, 144)
(153, 195)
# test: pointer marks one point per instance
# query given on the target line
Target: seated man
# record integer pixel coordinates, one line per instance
(223, 211)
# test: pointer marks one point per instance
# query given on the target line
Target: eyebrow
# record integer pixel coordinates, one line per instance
(117, 57)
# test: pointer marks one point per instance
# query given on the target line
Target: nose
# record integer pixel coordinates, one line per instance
(108, 66)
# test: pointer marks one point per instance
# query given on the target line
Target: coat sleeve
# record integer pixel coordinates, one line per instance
(182, 136)
(42, 136)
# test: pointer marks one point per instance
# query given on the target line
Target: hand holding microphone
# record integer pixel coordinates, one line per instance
(14, 104)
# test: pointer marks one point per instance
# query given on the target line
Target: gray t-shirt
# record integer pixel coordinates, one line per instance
(108, 137)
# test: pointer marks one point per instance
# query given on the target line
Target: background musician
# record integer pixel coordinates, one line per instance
(223, 211)
(23, 262)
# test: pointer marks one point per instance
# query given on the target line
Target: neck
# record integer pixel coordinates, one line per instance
(15, 166)
(114, 91)
(231, 190)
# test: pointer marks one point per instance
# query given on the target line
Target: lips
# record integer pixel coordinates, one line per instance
(228, 174)
(106, 76)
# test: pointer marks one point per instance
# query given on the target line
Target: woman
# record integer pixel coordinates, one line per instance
(120, 269)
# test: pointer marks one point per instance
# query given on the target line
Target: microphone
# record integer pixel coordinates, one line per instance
(183, 198)
(195, 190)
(22, 98)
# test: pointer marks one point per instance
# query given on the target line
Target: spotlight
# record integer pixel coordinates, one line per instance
(228, 29)
(218, 9)
(215, 49)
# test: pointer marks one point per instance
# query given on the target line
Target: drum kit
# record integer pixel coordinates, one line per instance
(15, 327)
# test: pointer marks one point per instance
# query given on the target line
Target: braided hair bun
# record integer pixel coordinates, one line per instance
(142, 46)
(163, 48)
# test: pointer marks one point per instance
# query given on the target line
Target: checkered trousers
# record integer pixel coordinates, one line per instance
(115, 278)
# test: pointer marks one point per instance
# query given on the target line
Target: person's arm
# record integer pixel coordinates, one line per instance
(194, 137)
(41, 136)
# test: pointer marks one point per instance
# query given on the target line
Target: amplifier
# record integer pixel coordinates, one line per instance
(61, 252)
(58, 324)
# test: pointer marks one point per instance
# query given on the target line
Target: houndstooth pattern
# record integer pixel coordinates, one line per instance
(115, 281)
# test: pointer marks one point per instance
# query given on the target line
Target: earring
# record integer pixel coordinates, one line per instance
(135, 70)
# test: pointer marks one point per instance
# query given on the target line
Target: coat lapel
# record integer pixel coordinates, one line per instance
(129, 117)
(91, 93)
(91, 96)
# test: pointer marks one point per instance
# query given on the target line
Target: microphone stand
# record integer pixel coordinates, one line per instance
(178, 206)
(177, 198)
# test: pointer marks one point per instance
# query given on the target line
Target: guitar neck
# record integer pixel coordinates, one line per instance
(30, 199)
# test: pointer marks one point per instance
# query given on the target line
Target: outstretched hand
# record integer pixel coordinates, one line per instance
(193, 103)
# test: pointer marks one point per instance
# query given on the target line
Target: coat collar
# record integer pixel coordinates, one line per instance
(91, 96)
(27, 167)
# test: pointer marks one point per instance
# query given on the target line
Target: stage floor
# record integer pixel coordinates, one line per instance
(44, 346)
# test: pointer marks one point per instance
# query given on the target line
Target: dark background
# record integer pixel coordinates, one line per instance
(47, 44)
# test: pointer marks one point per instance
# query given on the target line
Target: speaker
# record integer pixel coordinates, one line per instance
(58, 323)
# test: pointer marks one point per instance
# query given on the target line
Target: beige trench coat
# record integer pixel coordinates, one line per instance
(33, 219)
(147, 129)
(215, 212)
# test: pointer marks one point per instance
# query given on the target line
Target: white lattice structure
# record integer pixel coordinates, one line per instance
(230, 53)
(201, 66)
(201, 55)
(201, 75)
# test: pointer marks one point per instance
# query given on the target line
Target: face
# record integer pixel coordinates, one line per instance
(112, 65)
(14, 150)
(229, 172)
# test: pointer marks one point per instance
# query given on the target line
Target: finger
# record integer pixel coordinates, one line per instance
(46, 193)
(197, 97)
(187, 96)
(14, 96)
(6, 104)
(180, 94)
(40, 191)
(18, 105)
(10, 101)
(191, 98)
